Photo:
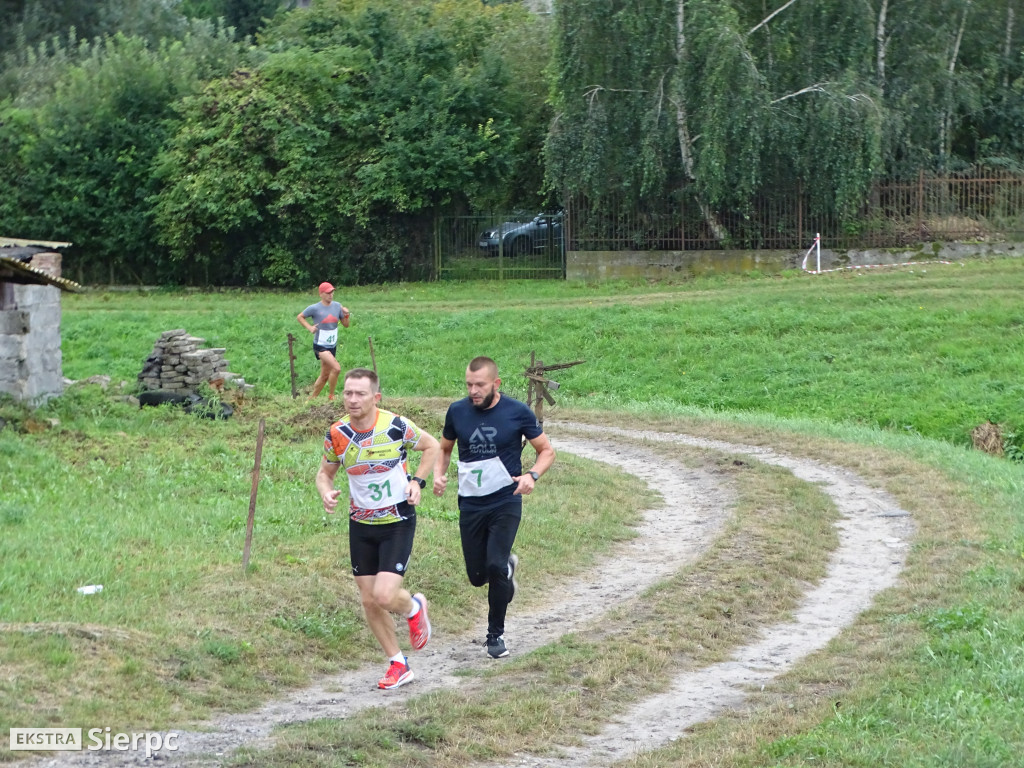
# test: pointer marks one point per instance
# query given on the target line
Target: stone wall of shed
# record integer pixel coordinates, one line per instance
(30, 353)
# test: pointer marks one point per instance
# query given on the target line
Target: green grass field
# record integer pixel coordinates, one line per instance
(934, 350)
(885, 372)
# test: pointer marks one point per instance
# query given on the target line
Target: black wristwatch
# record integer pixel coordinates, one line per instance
(421, 481)
(534, 475)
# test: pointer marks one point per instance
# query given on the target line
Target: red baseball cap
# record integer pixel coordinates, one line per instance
(326, 287)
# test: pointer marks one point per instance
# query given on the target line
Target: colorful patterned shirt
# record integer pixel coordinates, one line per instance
(375, 462)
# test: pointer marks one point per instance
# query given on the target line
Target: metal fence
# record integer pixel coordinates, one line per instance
(499, 246)
(522, 244)
(896, 213)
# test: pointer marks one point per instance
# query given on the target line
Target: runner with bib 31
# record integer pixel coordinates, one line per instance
(372, 445)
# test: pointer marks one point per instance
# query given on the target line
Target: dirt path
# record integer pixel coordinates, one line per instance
(873, 535)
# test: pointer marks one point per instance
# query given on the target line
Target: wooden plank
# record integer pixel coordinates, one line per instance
(252, 497)
(559, 366)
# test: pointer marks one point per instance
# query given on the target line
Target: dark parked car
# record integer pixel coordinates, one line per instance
(517, 238)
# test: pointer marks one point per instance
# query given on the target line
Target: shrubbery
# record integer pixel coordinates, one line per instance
(327, 148)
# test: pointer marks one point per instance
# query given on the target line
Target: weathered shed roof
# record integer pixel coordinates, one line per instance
(14, 270)
(51, 244)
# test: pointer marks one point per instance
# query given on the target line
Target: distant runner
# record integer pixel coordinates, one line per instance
(372, 445)
(326, 314)
(489, 428)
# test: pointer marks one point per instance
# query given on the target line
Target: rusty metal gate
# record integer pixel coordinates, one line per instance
(499, 246)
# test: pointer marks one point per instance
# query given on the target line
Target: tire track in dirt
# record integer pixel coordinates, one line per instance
(873, 533)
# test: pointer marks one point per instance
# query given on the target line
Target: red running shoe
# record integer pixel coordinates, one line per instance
(398, 674)
(419, 625)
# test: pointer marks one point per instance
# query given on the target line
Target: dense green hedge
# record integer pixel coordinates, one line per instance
(328, 147)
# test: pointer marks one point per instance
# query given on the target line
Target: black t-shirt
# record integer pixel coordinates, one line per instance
(497, 431)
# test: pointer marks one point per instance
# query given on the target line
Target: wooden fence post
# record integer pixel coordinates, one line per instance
(252, 498)
(291, 363)
(920, 200)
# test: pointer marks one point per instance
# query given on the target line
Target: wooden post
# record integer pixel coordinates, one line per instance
(291, 362)
(920, 200)
(529, 381)
(373, 358)
(539, 407)
(252, 498)
(800, 211)
(539, 384)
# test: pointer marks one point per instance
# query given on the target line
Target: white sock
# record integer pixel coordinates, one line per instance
(400, 658)
(415, 608)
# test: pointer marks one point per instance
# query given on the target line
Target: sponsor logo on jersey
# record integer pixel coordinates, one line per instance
(482, 440)
(380, 452)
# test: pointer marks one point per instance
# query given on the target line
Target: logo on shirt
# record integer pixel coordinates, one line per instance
(379, 453)
(482, 440)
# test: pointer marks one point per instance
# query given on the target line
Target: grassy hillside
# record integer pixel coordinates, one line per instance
(934, 350)
(882, 372)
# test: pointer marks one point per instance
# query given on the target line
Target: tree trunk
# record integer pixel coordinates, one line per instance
(769, 17)
(880, 46)
(720, 233)
(1007, 43)
(946, 124)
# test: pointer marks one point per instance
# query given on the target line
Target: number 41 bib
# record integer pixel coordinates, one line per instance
(481, 478)
(327, 338)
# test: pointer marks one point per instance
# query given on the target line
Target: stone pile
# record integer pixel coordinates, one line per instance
(178, 364)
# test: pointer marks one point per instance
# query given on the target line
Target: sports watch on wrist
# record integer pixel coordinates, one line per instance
(534, 475)
(420, 481)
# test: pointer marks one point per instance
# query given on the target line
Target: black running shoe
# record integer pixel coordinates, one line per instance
(496, 647)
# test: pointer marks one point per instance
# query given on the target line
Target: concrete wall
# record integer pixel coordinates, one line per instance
(596, 266)
(30, 356)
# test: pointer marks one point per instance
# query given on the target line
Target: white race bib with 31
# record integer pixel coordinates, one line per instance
(378, 490)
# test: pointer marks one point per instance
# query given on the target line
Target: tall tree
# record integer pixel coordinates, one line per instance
(333, 155)
(762, 95)
(81, 152)
(249, 16)
(29, 23)
(666, 92)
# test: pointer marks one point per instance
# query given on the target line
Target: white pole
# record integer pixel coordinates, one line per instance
(817, 245)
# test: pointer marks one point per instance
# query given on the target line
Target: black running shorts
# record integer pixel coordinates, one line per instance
(317, 349)
(377, 548)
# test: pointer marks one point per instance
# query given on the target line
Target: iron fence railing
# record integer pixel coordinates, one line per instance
(499, 246)
(897, 213)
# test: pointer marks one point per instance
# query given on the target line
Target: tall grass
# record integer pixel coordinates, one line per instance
(152, 504)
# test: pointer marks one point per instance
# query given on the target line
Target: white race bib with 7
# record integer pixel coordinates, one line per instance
(481, 478)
